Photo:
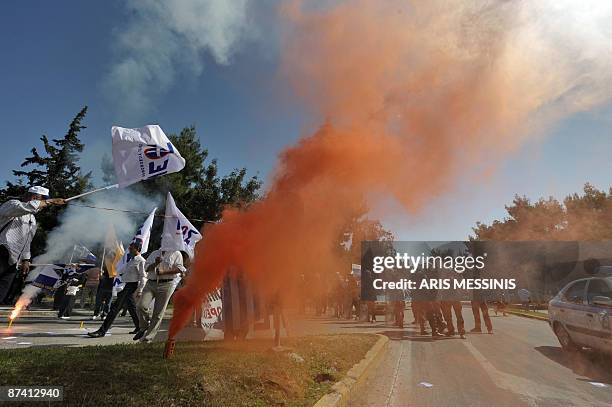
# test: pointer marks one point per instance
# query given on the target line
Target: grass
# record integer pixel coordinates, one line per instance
(202, 373)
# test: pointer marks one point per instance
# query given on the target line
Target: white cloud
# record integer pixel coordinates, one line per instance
(164, 38)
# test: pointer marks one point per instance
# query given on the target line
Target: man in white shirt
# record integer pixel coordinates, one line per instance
(17, 229)
(164, 268)
(134, 278)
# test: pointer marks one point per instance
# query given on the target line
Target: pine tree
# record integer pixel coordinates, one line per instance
(57, 169)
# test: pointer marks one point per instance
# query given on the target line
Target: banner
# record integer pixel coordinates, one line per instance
(211, 311)
(179, 233)
(143, 153)
(49, 277)
(53, 276)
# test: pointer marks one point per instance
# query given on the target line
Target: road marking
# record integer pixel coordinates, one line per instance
(532, 392)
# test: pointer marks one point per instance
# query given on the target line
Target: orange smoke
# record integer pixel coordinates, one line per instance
(413, 97)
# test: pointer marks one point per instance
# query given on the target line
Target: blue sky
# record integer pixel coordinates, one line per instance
(57, 57)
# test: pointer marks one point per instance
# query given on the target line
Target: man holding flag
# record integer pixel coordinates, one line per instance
(17, 229)
(165, 267)
(113, 252)
(131, 275)
(134, 279)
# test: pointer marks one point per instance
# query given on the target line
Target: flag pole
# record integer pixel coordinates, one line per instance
(91, 192)
(52, 264)
(72, 255)
(102, 262)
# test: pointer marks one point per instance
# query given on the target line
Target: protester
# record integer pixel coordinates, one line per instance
(353, 298)
(371, 311)
(477, 307)
(480, 305)
(104, 295)
(134, 278)
(58, 297)
(73, 284)
(164, 268)
(17, 286)
(90, 287)
(398, 312)
(235, 289)
(448, 306)
(17, 229)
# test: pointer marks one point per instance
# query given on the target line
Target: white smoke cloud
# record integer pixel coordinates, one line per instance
(88, 226)
(164, 38)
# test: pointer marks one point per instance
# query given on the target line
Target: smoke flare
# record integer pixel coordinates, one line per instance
(414, 95)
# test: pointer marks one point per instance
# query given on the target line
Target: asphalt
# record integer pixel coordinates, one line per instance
(521, 364)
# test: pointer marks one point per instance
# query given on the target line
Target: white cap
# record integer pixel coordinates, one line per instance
(36, 189)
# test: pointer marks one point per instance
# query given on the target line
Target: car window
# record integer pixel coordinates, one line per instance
(598, 287)
(575, 293)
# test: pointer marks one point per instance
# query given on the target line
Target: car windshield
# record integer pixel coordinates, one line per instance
(599, 287)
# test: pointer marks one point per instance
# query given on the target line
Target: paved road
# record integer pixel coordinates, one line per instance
(521, 364)
(41, 328)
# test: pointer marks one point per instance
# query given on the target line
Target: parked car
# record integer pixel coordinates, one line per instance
(581, 314)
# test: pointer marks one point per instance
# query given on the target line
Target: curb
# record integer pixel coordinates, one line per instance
(341, 391)
(525, 315)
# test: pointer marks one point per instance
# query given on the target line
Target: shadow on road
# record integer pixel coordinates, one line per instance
(414, 336)
(593, 365)
(49, 335)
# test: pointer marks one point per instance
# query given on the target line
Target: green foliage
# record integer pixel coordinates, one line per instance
(56, 168)
(586, 216)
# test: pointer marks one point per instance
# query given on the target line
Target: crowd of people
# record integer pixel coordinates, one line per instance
(146, 284)
(438, 317)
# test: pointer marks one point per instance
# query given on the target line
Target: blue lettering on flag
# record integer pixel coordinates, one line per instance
(45, 282)
(155, 169)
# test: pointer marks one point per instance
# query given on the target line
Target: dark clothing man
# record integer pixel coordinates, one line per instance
(477, 306)
(104, 295)
(134, 277)
(125, 295)
(69, 298)
(447, 310)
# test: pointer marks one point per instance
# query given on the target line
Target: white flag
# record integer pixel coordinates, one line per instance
(143, 234)
(142, 237)
(143, 153)
(179, 233)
